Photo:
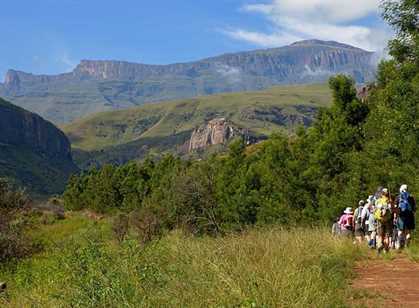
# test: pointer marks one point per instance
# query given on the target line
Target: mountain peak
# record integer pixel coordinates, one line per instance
(311, 42)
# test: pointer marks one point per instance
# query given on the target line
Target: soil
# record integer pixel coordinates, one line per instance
(388, 283)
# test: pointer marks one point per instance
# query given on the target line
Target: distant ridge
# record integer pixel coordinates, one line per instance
(101, 85)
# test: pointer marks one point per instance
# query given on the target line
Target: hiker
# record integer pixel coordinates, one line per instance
(369, 222)
(406, 205)
(383, 217)
(346, 222)
(336, 230)
(358, 222)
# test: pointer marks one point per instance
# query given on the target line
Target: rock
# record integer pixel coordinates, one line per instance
(216, 131)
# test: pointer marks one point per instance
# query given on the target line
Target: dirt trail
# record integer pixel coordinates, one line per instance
(391, 283)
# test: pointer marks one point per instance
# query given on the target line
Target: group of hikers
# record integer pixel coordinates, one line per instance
(382, 221)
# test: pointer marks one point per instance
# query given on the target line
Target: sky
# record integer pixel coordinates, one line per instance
(52, 36)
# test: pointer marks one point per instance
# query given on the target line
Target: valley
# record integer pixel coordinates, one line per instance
(120, 136)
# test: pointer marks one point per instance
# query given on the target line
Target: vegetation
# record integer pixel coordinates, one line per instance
(13, 242)
(83, 267)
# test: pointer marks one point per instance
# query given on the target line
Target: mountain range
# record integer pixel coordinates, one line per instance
(95, 86)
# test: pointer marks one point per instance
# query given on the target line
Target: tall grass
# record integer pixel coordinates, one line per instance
(260, 268)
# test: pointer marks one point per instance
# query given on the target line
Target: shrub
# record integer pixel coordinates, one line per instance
(120, 227)
(147, 224)
(13, 203)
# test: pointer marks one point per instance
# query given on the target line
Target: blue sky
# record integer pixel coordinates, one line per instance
(52, 36)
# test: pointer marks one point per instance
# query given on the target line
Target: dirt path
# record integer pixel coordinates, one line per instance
(399, 288)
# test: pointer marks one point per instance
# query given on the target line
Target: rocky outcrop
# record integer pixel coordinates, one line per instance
(103, 85)
(216, 131)
(12, 80)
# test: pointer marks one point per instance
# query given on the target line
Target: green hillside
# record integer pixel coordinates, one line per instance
(152, 125)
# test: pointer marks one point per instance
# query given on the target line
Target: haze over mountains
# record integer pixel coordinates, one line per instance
(95, 86)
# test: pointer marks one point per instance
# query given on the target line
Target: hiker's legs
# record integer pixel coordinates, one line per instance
(368, 237)
(408, 237)
(373, 240)
(359, 233)
(380, 241)
(386, 241)
(400, 239)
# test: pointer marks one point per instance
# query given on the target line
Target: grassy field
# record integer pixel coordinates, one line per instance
(82, 266)
(262, 112)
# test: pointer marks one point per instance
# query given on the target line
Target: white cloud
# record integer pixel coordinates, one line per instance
(262, 39)
(64, 59)
(232, 74)
(336, 20)
(320, 10)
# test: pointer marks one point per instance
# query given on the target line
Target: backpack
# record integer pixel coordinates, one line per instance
(349, 222)
(404, 203)
(382, 214)
(358, 215)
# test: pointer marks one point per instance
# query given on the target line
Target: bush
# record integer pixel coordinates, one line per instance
(13, 204)
(120, 227)
(147, 225)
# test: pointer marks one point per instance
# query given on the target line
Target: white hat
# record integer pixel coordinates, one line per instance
(403, 188)
(348, 210)
(385, 190)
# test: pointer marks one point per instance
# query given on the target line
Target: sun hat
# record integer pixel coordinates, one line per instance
(361, 202)
(348, 210)
(385, 190)
(403, 188)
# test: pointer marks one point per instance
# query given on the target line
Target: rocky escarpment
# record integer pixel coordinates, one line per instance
(299, 62)
(107, 85)
(33, 151)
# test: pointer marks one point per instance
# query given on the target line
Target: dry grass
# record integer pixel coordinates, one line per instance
(260, 268)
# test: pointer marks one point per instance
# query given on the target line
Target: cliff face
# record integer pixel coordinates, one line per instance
(306, 60)
(31, 149)
(22, 128)
(106, 85)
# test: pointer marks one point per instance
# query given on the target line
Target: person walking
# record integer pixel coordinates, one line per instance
(346, 222)
(383, 217)
(406, 205)
(359, 225)
(369, 222)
